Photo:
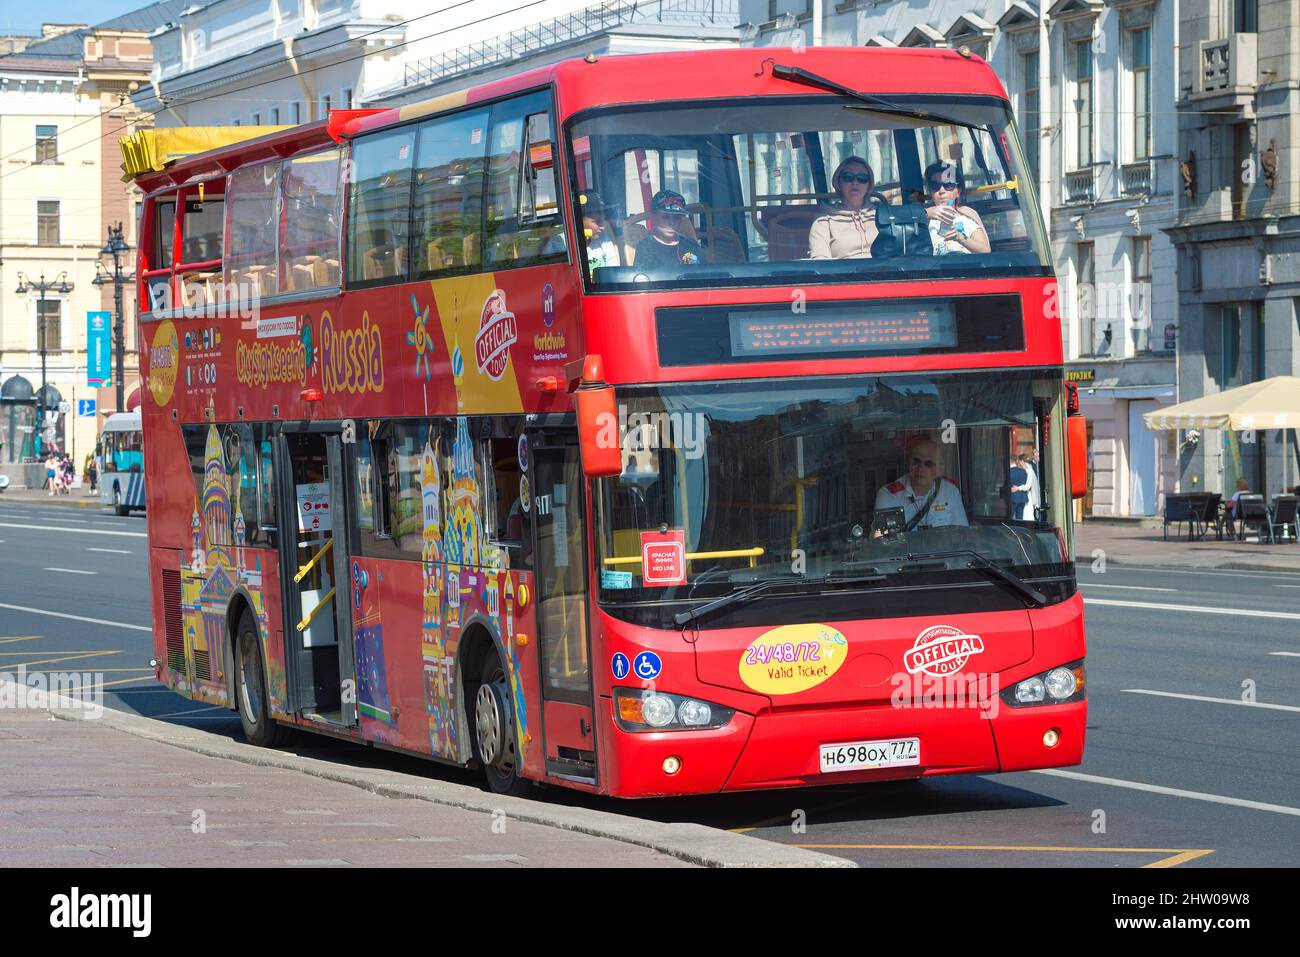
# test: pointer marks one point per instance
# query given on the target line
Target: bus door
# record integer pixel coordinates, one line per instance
(319, 654)
(559, 560)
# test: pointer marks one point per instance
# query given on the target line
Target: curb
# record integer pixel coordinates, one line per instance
(60, 501)
(692, 843)
(1225, 565)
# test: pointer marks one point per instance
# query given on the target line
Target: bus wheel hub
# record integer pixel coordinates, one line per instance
(490, 723)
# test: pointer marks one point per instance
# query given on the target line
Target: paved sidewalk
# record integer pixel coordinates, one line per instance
(77, 498)
(79, 793)
(1133, 544)
(121, 789)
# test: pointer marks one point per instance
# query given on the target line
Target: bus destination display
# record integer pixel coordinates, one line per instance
(901, 327)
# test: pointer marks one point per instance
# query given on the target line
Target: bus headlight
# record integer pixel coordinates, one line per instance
(637, 710)
(1057, 686)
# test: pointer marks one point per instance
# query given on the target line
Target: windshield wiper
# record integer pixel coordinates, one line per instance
(984, 564)
(756, 589)
(799, 75)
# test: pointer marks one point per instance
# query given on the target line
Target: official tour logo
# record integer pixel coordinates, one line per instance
(497, 332)
(941, 650)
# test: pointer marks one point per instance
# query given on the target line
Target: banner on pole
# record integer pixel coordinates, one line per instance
(99, 352)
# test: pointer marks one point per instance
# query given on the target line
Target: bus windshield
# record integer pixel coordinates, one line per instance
(802, 189)
(823, 477)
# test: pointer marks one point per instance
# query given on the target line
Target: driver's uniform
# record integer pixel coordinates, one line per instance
(946, 509)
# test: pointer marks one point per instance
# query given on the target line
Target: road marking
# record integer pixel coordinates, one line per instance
(786, 818)
(1286, 654)
(44, 671)
(111, 551)
(1197, 697)
(1180, 855)
(1217, 573)
(107, 684)
(1196, 609)
(1286, 586)
(80, 529)
(71, 657)
(6, 641)
(191, 711)
(1127, 587)
(1172, 792)
(60, 614)
(71, 571)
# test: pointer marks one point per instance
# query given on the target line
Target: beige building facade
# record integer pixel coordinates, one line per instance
(64, 102)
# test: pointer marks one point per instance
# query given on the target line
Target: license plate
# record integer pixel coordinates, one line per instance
(861, 755)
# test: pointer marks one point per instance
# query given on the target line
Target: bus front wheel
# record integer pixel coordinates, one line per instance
(117, 502)
(250, 687)
(495, 732)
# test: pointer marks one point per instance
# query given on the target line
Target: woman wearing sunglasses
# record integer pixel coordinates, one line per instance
(954, 228)
(849, 231)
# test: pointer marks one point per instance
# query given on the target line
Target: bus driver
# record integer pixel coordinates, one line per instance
(928, 500)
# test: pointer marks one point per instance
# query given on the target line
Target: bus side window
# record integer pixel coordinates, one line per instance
(448, 213)
(379, 203)
(310, 196)
(266, 521)
(505, 516)
(525, 226)
(254, 230)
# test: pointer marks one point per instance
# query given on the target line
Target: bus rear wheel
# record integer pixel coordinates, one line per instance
(495, 731)
(250, 687)
(117, 502)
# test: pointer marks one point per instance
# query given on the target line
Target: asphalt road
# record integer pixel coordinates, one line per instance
(1179, 769)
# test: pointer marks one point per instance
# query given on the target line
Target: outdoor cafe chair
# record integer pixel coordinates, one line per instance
(1283, 522)
(1212, 514)
(1179, 508)
(1251, 510)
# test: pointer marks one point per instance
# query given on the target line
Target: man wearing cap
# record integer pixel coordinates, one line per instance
(666, 246)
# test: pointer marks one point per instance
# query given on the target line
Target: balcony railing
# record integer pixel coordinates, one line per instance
(1228, 65)
(1081, 186)
(578, 25)
(1137, 178)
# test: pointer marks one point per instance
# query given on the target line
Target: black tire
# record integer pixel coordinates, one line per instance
(250, 687)
(495, 733)
(118, 507)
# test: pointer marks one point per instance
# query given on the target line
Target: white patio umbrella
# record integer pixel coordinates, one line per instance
(1268, 404)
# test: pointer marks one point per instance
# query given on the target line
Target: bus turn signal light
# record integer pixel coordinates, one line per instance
(311, 395)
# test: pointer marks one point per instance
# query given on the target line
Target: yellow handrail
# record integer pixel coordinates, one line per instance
(302, 572)
(754, 552)
(312, 614)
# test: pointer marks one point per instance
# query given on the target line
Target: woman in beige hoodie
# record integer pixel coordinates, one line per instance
(848, 231)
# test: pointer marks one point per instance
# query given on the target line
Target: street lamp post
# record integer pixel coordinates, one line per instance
(60, 285)
(116, 247)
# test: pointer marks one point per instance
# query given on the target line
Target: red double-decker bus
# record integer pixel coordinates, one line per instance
(647, 425)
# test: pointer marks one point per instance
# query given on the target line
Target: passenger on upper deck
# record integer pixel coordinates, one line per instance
(849, 231)
(954, 228)
(666, 246)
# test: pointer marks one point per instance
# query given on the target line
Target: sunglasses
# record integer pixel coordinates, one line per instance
(928, 463)
(938, 184)
(855, 178)
(677, 213)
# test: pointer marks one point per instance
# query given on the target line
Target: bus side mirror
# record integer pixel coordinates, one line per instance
(1076, 437)
(602, 452)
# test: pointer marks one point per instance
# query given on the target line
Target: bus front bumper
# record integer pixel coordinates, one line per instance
(782, 749)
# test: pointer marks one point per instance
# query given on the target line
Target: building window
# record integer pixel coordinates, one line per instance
(255, 119)
(346, 99)
(1140, 300)
(325, 107)
(47, 144)
(1140, 64)
(275, 116)
(49, 312)
(1085, 303)
(1030, 113)
(47, 222)
(1246, 16)
(1083, 103)
(297, 113)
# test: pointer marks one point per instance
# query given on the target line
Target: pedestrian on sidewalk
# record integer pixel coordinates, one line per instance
(1035, 489)
(1019, 486)
(91, 471)
(51, 473)
(68, 473)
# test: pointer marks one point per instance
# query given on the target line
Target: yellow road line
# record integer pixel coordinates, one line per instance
(50, 671)
(787, 818)
(71, 657)
(6, 641)
(1177, 859)
(1180, 855)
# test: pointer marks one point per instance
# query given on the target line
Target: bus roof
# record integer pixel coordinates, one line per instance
(122, 422)
(626, 79)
